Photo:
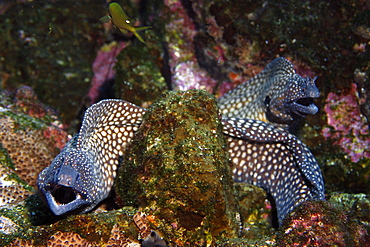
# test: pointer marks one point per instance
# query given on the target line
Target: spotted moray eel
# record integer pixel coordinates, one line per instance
(277, 95)
(82, 174)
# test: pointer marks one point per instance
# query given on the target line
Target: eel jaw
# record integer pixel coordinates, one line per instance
(62, 199)
(304, 106)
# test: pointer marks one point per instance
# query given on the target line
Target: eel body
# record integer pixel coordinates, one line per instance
(274, 159)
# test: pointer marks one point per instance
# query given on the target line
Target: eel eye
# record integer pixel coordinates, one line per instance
(267, 101)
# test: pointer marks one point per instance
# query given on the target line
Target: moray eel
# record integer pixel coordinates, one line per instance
(82, 174)
(122, 21)
(274, 159)
(262, 154)
(277, 95)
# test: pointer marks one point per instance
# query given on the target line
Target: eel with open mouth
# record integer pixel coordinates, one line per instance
(277, 95)
(82, 175)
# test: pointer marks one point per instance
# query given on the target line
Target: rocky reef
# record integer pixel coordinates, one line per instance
(30, 139)
(70, 60)
(320, 223)
(176, 181)
(50, 47)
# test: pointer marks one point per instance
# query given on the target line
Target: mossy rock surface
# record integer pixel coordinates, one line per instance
(178, 170)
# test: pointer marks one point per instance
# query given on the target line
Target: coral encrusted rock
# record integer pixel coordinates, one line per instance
(178, 171)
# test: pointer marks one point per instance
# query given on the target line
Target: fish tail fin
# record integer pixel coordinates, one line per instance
(142, 28)
(138, 36)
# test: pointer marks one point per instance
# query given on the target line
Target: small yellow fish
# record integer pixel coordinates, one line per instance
(121, 21)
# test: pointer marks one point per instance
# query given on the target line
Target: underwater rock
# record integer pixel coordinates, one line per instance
(50, 46)
(343, 148)
(23, 243)
(357, 206)
(177, 169)
(30, 138)
(138, 74)
(318, 223)
(12, 190)
(114, 228)
(255, 212)
(347, 126)
(103, 68)
(67, 239)
(30, 149)
(177, 32)
(7, 226)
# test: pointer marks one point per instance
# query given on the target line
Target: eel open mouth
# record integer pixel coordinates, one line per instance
(62, 199)
(303, 107)
(64, 195)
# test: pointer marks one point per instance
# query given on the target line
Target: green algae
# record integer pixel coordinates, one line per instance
(356, 205)
(339, 172)
(319, 223)
(242, 242)
(16, 178)
(16, 112)
(50, 47)
(178, 170)
(95, 228)
(348, 201)
(5, 159)
(25, 122)
(138, 73)
(255, 215)
(36, 222)
(7, 163)
(24, 228)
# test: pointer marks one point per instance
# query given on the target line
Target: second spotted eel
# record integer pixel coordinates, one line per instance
(82, 174)
(277, 95)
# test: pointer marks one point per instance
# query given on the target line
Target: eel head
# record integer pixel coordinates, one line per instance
(68, 184)
(294, 102)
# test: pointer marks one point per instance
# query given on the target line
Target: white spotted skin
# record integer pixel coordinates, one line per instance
(272, 96)
(274, 159)
(107, 128)
(89, 162)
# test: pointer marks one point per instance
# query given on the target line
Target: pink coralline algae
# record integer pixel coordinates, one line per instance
(186, 72)
(318, 223)
(103, 67)
(181, 32)
(56, 135)
(188, 75)
(347, 126)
